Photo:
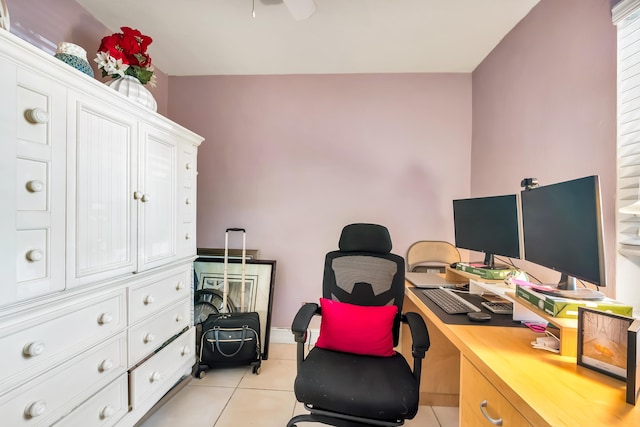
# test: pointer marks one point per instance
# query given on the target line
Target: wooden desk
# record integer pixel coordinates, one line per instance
(471, 363)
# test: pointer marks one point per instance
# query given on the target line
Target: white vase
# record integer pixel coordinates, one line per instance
(131, 87)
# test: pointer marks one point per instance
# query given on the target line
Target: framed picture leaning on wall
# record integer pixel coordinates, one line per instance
(258, 289)
(603, 342)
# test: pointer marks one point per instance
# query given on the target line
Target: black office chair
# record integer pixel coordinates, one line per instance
(350, 387)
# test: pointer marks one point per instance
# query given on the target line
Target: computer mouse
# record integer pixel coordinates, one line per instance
(479, 316)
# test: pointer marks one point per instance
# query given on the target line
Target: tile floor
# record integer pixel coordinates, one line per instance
(236, 397)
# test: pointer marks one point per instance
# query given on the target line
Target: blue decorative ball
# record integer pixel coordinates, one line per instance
(76, 62)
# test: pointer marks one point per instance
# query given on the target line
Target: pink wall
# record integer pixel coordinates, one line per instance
(544, 106)
(46, 23)
(295, 158)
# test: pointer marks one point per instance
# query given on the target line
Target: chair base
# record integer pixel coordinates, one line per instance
(339, 420)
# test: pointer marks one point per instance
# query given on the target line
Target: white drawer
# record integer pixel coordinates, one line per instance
(58, 334)
(103, 409)
(155, 376)
(151, 296)
(48, 397)
(147, 336)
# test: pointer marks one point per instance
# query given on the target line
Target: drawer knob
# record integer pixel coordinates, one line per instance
(145, 198)
(149, 337)
(494, 421)
(155, 376)
(149, 299)
(35, 409)
(34, 255)
(35, 186)
(185, 350)
(37, 116)
(105, 318)
(106, 365)
(33, 349)
(107, 412)
(179, 285)
(179, 317)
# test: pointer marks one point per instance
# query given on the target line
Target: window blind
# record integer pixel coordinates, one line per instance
(626, 15)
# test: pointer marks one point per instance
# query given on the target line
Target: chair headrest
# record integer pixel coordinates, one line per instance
(365, 238)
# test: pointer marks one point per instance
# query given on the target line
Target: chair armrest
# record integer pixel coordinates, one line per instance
(302, 319)
(419, 334)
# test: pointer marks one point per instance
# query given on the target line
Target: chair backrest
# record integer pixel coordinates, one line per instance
(431, 251)
(364, 271)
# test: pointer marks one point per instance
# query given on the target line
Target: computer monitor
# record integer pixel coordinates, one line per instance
(488, 224)
(562, 230)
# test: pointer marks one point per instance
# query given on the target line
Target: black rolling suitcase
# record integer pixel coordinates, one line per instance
(231, 339)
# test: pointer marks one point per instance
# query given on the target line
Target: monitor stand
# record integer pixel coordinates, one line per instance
(567, 288)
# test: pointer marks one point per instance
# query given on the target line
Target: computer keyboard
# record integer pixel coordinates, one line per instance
(498, 307)
(449, 301)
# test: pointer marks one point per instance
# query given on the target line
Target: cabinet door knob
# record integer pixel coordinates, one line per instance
(187, 201)
(37, 116)
(35, 409)
(494, 421)
(188, 166)
(179, 285)
(137, 195)
(35, 186)
(145, 198)
(187, 236)
(105, 318)
(35, 348)
(179, 317)
(155, 376)
(107, 412)
(149, 338)
(185, 350)
(106, 365)
(149, 299)
(34, 255)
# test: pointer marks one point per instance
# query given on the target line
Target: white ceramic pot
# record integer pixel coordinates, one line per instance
(131, 87)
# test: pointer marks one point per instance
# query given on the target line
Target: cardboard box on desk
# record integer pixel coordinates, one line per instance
(485, 273)
(568, 308)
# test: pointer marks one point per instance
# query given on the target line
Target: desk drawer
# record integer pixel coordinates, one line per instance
(103, 409)
(54, 335)
(48, 397)
(146, 337)
(479, 397)
(151, 296)
(158, 374)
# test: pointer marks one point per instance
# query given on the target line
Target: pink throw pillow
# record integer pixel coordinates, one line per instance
(358, 329)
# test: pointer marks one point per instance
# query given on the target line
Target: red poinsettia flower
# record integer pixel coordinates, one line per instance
(126, 54)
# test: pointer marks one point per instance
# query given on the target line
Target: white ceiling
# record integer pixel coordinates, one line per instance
(218, 37)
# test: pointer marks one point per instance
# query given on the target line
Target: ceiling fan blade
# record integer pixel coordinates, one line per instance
(300, 9)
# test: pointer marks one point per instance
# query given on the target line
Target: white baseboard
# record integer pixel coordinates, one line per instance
(285, 336)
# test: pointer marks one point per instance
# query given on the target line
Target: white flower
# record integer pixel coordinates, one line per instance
(110, 65)
(117, 67)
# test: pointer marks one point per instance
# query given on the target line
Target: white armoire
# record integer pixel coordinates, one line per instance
(97, 241)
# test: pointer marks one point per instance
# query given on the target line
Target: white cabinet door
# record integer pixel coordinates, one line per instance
(32, 184)
(102, 191)
(157, 192)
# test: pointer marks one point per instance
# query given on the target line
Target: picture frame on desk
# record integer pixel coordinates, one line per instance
(603, 342)
(633, 362)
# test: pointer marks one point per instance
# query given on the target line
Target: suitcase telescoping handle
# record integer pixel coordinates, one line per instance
(225, 278)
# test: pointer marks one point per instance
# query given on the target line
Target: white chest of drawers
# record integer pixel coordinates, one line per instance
(98, 239)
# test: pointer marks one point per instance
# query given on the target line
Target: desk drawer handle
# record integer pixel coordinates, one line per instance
(494, 421)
